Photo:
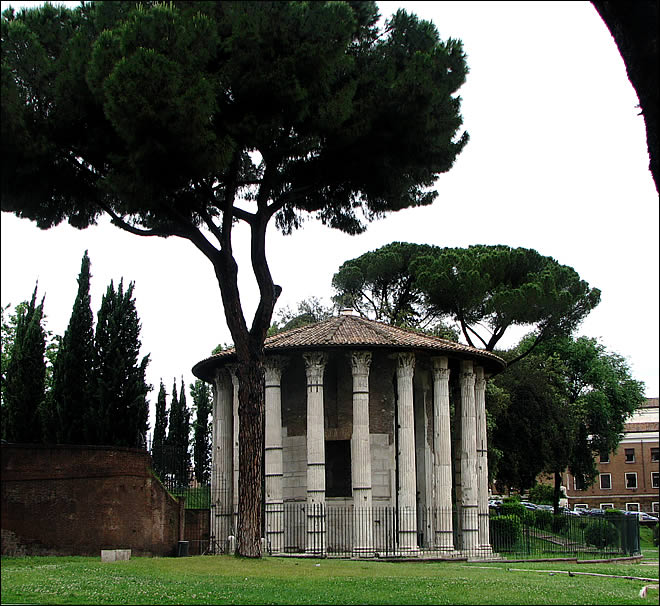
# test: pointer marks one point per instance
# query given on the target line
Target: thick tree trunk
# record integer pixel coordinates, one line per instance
(251, 435)
(557, 494)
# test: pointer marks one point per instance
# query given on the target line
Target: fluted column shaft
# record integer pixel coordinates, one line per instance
(469, 513)
(222, 485)
(361, 454)
(235, 450)
(407, 474)
(315, 365)
(482, 459)
(444, 537)
(273, 464)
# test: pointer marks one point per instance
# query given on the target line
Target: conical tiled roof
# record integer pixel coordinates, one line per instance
(354, 332)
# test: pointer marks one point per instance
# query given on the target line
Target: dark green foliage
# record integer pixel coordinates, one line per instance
(542, 494)
(498, 287)
(309, 311)
(24, 381)
(202, 403)
(656, 535)
(167, 116)
(543, 519)
(74, 378)
(121, 409)
(160, 433)
(505, 532)
(178, 438)
(601, 534)
(381, 285)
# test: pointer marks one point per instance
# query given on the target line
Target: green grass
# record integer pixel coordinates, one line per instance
(229, 580)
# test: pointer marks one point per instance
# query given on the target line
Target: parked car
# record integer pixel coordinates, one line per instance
(529, 505)
(643, 516)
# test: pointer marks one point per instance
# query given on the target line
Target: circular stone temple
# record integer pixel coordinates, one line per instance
(375, 442)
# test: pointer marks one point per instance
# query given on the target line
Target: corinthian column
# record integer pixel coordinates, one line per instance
(482, 461)
(273, 455)
(407, 474)
(361, 455)
(469, 517)
(234, 382)
(221, 477)
(315, 365)
(444, 536)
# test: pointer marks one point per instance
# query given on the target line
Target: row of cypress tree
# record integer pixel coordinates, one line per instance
(171, 438)
(97, 393)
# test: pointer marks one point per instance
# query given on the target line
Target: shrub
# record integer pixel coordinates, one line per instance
(601, 534)
(559, 523)
(543, 494)
(656, 541)
(542, 519)
(514, 508)
(505, 532)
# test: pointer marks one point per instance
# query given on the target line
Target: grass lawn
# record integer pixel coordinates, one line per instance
(230, 580)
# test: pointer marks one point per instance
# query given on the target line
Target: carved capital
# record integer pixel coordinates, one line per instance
(360, 362)
(273, 367)
(315, 362)
(405, 364)
(480, 378)
(440, 369)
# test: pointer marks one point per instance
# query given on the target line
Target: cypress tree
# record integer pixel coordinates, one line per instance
(202, 402)
(122, 409)
(160, 431)
(184, 435)
(25, 377)
(74, 370)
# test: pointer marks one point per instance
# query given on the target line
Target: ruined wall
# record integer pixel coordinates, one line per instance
(77, 500)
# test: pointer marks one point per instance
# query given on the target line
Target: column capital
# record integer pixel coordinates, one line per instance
(233, 372)
(480, 378)
(405, 364)
(467, 371)
(273, 367)
(440, 368)
(360, 362)
(315, 362)
(221, 378)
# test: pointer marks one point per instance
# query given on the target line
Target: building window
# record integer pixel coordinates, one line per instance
(579, 483)
(605, 480)
(632, 506)
(607, 505)
(655, 479)
(604, 457)
(631, 480)
(630, 455)
(655, 507)
(655, 455)
(338, 468)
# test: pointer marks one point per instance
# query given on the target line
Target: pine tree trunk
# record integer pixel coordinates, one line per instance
(251, 415)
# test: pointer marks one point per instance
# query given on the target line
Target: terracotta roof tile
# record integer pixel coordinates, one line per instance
(353, 331)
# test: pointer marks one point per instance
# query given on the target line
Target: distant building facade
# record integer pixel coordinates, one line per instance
(629, 478)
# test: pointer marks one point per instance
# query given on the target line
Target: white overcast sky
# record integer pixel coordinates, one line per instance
(556, 161)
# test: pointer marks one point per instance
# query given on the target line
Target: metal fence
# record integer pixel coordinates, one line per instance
(385, 532)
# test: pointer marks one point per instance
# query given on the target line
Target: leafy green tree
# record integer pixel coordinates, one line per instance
(569, 400)
(120, 413)
(160, 433)
(180, 119)
(24, 380)
(309, 311)
(202, 405)
(380, 285)
(74, 378)
(498, 287)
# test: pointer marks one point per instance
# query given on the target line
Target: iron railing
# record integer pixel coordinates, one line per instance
(322, 530)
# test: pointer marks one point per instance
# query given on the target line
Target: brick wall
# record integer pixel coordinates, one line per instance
(77, 500)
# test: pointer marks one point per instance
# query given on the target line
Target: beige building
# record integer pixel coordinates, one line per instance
(629, 478)
(375, 442)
